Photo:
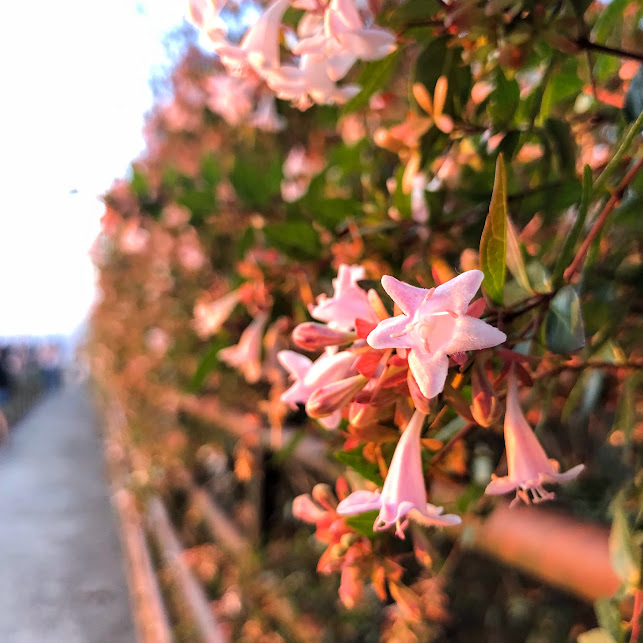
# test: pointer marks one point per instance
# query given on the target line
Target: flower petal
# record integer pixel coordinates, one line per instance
(460, 290)
(359, 502)
(407, 297)
(473, 334)
(296, 364)
(430, 371)
(564, 477)
(383, 335)
(433, 515)
(498, 486)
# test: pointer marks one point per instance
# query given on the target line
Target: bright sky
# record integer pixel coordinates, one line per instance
(75, 87)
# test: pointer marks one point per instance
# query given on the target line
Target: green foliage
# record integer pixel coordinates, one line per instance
(354, 458)
(564, 328)
(493, 243)
(374, 76)
(363, 523)
(255, 179)
(296, 238)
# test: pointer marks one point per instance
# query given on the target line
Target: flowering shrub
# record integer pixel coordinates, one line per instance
(413, 222)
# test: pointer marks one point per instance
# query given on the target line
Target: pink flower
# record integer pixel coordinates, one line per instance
(134, 239)
(208, 318)
(310, 376)
(527, 463)
(265, 116)
(404, 492)
(348, 303)
(259, 48)
(307, 84)
(230, 97)
(246, 355)
(204, 14)
(344, 39)
(435, 324)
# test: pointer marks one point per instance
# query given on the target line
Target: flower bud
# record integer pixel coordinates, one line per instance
(333, 397)
(312, 336)
(324, 496)
(485, 406)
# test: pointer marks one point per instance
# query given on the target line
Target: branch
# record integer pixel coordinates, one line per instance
(588, 45)
(617, 195)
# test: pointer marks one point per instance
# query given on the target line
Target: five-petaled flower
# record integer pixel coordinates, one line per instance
(527, 463)
(348, 303)
(434, 324)
(404, 492)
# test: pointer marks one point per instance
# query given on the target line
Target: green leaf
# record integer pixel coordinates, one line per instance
(609, 618)
(210, 171)
(628, 136)
(623, 553)
(138, 184)
(561, 137)
(572, 238)
(375, 76)
(430, 64)
(208, 363)
(515, 261)
(564, 328)
(597, 635)
(493, 243)
(503, 101)
(256, 180)
(363, 523)
(606, 21)
(297, 239)
(354, 458)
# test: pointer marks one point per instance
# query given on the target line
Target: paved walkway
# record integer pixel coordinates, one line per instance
(61, 569)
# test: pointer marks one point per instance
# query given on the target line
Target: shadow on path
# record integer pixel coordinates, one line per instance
(61, 574)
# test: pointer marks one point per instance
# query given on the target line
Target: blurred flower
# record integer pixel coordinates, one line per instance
(157, 341)
(310, 376)
(344, 39)
(348, 303)
(299, 168)
(435, 324)
(230, 97)
(404, 492)
(259, 48)
(307, 84)
(265, 116)
(209, 317)
(134, 239)
(175, 215)
(527, 463)
(246, 355)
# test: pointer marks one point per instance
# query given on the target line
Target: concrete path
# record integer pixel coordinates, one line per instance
(61, 569)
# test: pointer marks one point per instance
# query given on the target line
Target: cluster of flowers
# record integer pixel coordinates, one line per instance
(435, 329)
(329, 39)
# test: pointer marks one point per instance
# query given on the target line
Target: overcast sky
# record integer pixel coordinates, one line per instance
(75, 87)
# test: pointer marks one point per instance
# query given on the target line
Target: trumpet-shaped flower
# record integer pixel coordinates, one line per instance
(344, 39)
(259, 48)
(434, 324)
(404, 492)
(208, 318)
(246, 355)
(527, 463)
(307, 84)
(348, 303)
(310, 376)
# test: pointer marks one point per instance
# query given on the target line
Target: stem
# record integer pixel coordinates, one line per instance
(636, 616)
(587, 44)
(449, 445)
(578, 260)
